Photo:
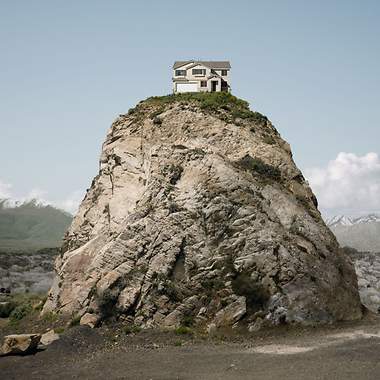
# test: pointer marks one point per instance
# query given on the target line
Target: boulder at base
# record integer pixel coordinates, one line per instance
(49, 337)
(199, 216)
(21, 344)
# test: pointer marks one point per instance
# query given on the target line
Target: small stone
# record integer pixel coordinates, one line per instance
(256, 326)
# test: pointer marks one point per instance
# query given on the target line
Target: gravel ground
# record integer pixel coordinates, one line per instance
(345, 351)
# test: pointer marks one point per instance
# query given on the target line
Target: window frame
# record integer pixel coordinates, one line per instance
(177, 73)
(202, 72)
(203, 83)
(224, 73)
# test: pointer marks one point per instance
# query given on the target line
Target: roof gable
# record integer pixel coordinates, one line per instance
(224, 65)
(178, 64)
(196, 64)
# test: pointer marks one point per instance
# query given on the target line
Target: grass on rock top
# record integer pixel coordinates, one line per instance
(225, 105)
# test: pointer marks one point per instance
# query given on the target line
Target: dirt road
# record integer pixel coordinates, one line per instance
(343, 352)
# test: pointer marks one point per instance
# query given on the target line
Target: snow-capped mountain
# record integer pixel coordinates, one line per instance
(339, 220)
(368, 219)
(361, 233)
(343, 220)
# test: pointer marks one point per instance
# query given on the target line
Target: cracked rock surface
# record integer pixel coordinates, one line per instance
(200, 217)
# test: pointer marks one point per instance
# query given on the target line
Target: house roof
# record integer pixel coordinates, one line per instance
(212, 75)
(211, 64)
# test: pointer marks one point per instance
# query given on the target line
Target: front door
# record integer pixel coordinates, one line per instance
(214, 84)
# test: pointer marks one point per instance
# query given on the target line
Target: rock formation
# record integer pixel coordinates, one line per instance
(20, 344)
(199, 216)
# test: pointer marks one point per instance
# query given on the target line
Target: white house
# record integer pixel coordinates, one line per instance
(201, 76)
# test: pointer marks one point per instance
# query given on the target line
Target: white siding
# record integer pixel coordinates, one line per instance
(187, 87)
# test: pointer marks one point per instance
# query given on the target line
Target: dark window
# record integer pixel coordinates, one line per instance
(179, 73)
(213, 71)
(199, 71)
(224, 73)
(203, 83)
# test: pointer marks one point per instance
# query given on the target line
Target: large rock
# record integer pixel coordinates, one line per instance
(21, 344)
(231, 313)
(49, 337)
(193, 213)
(90, 320)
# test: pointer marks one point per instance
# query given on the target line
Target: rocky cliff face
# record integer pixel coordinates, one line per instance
(199, 216)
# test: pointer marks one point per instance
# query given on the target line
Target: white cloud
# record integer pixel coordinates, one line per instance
(69, 204)
(350, 184)
(72, 202)
(5, 190)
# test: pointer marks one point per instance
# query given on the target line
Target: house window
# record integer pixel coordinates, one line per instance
(224, 73)
(199, 71)
(203, 83)
(180, 73)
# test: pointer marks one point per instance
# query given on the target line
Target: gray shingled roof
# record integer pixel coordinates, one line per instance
(210, 64)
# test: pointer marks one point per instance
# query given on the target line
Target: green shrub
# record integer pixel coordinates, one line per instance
(59, 330)
(50, 317)
(255, 165)
(20, 312)
(268, 139)
(40, 304)
(157, 112)
(187, 320)
(6, 308)
(183, 330)
(106, 302)
(227, 106)
(75, 320)
(178, 343)
(131, 329)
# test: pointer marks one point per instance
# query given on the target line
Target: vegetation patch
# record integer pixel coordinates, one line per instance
(226, 106)
(75, 320)
(183, 330)
(257, 166)
(106, 302)
(20, 312)
(157, 112)
(187, 320)
(18, 306)
(131, 329)
(50, 317)
(268, 139)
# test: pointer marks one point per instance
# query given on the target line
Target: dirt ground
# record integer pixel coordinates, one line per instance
(344, 351)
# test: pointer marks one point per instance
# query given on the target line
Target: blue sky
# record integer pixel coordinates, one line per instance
(67, 69)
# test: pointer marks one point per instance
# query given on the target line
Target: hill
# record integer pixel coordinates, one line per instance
(361, 233)
(200, 217)
(30, 226)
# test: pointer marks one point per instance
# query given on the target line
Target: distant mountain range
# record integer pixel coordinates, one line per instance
(31, 226)
(362, 233)
(343, 220)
